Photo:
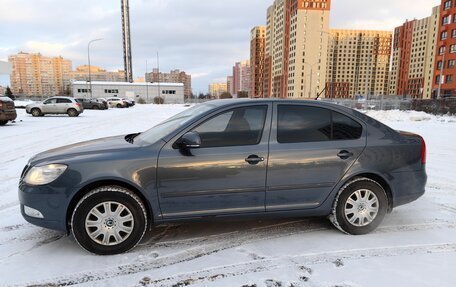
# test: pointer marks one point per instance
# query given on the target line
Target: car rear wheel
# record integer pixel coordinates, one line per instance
(36, 112)
(360, 207)
(72, 113)
(95, 108)
(119, 106)
(2, 123)
(109, 220)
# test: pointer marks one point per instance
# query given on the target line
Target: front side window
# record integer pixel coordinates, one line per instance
(300, 124)
(236, 127)
(50, 101)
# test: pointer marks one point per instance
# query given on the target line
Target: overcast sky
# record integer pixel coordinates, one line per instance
(201, 37)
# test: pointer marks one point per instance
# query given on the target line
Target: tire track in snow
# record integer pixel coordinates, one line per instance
(214, 245)
(235, 270)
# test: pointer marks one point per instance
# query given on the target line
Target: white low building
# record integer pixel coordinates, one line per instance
(5, 68)
(172, 93)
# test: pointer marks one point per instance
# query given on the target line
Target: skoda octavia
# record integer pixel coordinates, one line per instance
(226, 159)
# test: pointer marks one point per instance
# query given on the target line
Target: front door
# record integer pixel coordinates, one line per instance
(311, 149)
(50, 106)
(226, 175)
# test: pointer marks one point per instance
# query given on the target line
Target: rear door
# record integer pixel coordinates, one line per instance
(311, 148)
(63, 105)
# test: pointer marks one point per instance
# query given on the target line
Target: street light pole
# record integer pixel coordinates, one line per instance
(311, 75)
(147, 84)
(441, 75)
(88, 58)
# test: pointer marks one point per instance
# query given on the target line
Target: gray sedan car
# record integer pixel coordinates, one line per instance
(226, 159)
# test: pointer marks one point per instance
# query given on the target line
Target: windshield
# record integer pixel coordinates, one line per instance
(165, 128)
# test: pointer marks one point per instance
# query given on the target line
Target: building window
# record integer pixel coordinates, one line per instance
(453, 33)
(444, 35)
(451, 63)
(111, 91)
(446, 20)
(439, 65)
(449, 79)
(453, 48)
(437, 79)
(442, 50)
(447, 5)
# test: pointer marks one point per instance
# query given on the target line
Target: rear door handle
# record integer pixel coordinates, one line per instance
(254, 159)
(345, 154)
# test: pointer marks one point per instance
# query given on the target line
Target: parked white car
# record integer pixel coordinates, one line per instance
(117, 103)
(55, 105)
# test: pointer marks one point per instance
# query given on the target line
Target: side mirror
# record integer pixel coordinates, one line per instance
(189, 140)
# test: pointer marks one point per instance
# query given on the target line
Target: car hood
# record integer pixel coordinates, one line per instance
(98, 146)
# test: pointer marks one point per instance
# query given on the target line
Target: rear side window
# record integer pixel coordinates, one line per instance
(64, 101)
(297, 124)
(236, 127)
(344, 128)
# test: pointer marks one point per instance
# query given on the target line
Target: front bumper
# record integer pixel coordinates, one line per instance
(51, 203)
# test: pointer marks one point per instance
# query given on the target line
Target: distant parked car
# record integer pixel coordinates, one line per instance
(55, 105)
(130, 103)
(104, 102)
(117, 103)
(90, 104)
(7, 110)
(222, 159)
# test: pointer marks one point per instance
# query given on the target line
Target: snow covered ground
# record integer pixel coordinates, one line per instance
(415, 246)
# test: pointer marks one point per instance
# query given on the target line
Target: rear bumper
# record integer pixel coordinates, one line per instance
(8, 115)
(408, 186)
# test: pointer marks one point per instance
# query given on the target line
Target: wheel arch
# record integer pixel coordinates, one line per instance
(96, 184)
(380, 180)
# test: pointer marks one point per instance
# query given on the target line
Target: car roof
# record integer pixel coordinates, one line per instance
(229, 102)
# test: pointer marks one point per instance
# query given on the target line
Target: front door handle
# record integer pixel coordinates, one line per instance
(345, 154)
(254, 159)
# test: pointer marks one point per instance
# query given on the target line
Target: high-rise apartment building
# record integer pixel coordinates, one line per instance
(296, 47)
(216, 89)
(445, 61)
(358, 63)
(36, 75)
(257, 61)
(174, 76)
(230, 85)
(97, 74)
(241, 77)
(413, 57)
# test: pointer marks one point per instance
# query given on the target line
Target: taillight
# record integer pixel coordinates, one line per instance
(78, 104)
(423, 151)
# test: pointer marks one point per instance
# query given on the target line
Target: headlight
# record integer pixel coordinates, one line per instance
(40, 175)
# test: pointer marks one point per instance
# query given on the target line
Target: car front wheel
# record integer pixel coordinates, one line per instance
(109, 220)
(360, 207)
(36, 112)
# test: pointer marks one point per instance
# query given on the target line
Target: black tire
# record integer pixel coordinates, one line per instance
(95, 108)
(2, 123)
(119, 106)
(114, 195)
(341, 215)
(72, 113)
(36, 112)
